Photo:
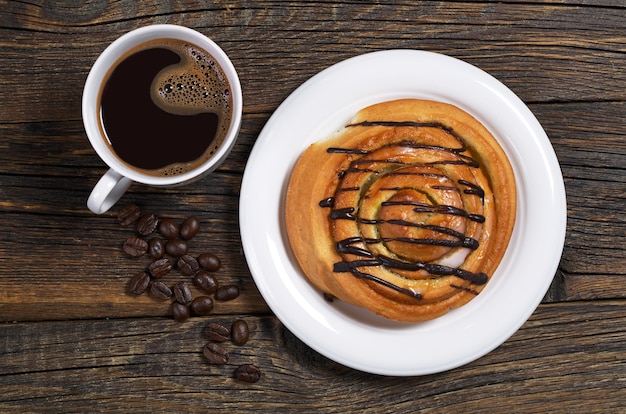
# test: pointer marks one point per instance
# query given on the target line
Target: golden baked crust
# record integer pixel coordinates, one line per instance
(407, 211)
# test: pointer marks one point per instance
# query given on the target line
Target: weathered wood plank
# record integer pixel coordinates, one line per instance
(59, 266)
(590, 144)
(155, 364)
(544, 52)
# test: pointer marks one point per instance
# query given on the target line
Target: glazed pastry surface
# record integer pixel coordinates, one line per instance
(407, 211)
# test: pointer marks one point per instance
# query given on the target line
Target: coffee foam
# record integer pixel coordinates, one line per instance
(196, 84)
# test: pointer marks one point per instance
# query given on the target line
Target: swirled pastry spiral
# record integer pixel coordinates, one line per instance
(407, 211)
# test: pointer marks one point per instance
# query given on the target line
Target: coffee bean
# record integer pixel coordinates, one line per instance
(139, 283)
(188, 265)
(189, 228)
(201, 305)
(239, 332)
(182, 293)
(160, 267)
(147, 224)
(209, 262)
(215, 353)
(205, 281)
(228, 292)
(248, 373)
(217, 332)
(156, 247)
(135, 247)
(169, 229)
(180, 312)
(176, 247)
(160, 290)
(129, 214)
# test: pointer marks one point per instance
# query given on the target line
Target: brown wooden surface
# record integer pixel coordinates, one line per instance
(72, 340)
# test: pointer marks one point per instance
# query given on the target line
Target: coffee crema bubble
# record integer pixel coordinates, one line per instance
(165, 107)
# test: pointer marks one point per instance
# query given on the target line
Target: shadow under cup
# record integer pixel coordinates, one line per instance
(162, 106)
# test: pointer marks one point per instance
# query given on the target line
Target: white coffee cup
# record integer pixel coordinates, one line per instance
(119, 177)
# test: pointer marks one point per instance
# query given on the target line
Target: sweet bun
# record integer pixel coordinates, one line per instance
(407, 211)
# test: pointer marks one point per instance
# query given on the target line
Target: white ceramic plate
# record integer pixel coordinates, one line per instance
(355, 337)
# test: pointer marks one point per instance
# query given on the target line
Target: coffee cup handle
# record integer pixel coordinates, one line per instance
(107, 191)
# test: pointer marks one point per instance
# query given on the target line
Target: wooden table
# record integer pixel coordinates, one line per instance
(73, 339)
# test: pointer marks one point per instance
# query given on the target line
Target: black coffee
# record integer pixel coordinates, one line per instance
(165, 107)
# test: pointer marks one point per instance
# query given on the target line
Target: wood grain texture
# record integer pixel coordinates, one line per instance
(73, 339)
(155, 365)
